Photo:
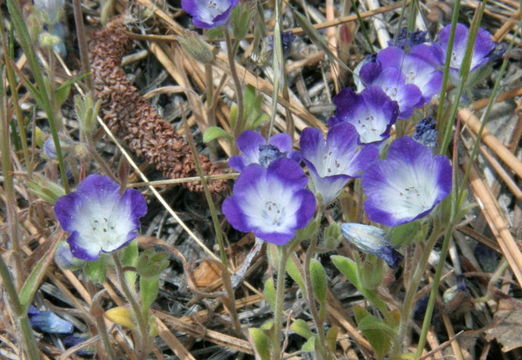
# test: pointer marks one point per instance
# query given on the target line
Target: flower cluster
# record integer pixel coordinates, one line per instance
(409, 72)
(403, 180)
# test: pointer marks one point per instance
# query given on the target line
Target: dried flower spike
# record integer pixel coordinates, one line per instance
(134, 120)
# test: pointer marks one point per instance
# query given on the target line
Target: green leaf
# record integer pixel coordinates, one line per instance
(129, 257)
(295, 274)
(331, 338)
(348, 268)
(152, 263)
(149, 287)
(45, 189)
(32, 283)
(319, 281)
(379, 334)
(216, 33)
(270, 292)
(63, 91)
(309, 345)
(301, 328)
(214, 132)
(240, 20)
(96, 270)
(404, 235)
(261, 342)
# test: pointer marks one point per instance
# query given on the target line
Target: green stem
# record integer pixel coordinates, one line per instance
(30, 346)
(141, 319)
(231, 52)
(43, 88)
(321, 349)
(279, 302)
(219, 234)
(97, 313)
(446, 73)
(10, 201)
(409, 299)
(434, 290)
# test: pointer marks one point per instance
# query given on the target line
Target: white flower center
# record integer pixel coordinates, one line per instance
(101, 226)
(410, 76)
(369, 128)
(271, 206)
(273, 213)
(391, 92)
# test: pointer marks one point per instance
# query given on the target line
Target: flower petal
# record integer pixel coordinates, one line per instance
(407, 185)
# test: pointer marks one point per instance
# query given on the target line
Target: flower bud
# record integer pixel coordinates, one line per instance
(86, 110)
(51, 10)
(371, 240)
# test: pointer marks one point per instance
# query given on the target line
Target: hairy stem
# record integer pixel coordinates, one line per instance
(231, 52)
(30, 346)
(279, 302)
(409, 299)
(311, 300)
(141, 319)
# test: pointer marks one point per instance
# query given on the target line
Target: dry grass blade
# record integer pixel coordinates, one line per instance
(467, 117)
(497, 222)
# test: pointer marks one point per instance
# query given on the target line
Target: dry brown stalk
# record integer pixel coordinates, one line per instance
(134, 120)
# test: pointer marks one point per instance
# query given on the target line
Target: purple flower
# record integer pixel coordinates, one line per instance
(482, 48)
(420, 67)
(271, 202)
(255, 149)
(99, 218)
(407, 185)
(393, 82)
(371, 112)
(48, 322)
(372, 240)
(334, 161)
(209, 13)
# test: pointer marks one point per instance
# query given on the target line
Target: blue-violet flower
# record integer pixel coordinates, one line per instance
(371, 112)
(99, 218)
(407, 185)
(372, 240)
(209, 13)
(394, 84)
(272, 202)
(334, 161)
(420, 67)
(482, 48)
(255, 149)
